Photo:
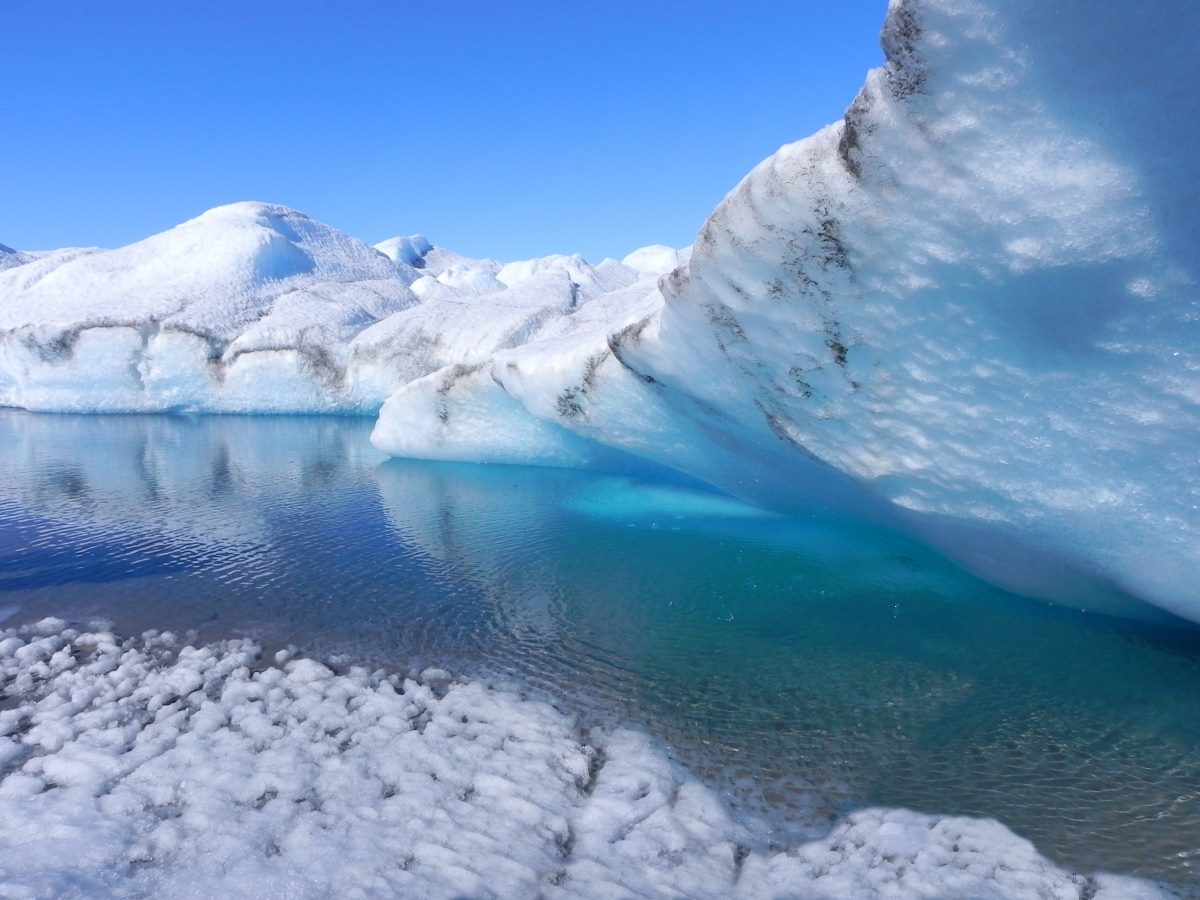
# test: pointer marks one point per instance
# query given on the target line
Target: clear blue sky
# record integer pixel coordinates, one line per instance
(504, 129)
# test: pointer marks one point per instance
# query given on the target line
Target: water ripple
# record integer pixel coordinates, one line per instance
(805, 667)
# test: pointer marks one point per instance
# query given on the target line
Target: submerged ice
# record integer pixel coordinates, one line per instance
(967, 310)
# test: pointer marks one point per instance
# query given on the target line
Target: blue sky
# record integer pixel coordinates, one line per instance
(497, 129)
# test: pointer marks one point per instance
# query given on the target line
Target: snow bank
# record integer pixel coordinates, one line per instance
(150, 767)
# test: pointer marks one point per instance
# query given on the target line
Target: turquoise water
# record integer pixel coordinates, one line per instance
(804, 666)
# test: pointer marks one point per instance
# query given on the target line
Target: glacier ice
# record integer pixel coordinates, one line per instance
(411, 249)
(974, 299)
(198, 317)
(253, 307)
(967, 310)
(152, 766)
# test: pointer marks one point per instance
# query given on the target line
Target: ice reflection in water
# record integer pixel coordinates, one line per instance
(805, 665)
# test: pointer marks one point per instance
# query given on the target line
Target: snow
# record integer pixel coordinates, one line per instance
(967, 311)
(9, 258)
(149, 766)
(410, 250)
(258, 308)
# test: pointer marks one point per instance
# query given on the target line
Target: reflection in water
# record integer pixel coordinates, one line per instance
(804, 666)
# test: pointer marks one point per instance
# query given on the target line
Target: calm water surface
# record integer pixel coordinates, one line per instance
(803, 666)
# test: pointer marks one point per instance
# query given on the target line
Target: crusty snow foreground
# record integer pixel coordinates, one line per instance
(969, 309)
(149, 767)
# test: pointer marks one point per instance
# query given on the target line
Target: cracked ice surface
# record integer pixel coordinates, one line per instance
(152, 767)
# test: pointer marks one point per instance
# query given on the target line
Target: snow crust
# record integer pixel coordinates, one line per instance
(153, 767)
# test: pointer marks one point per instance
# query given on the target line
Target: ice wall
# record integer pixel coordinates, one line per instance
(974, 299)
(976, 294)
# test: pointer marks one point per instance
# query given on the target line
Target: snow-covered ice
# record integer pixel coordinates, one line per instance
(150, 766)
(252, 307)
(205, 315)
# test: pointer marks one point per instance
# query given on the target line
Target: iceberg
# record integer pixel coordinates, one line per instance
(968, 310)
(253, 307)
(972, 300)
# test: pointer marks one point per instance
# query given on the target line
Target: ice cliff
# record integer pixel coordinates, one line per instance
(969, 308)
(973, 299)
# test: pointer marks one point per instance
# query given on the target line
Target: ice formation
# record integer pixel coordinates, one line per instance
(258, 308)
(968, 309)
(247, 307)
(150, 767)
(10, 257)
(973, 299)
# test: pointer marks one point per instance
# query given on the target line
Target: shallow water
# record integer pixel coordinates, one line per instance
(804, 666)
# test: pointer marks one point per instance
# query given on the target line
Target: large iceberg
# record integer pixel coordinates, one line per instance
(10, 258)
(969, 309)
(252, 307)
(973, 299)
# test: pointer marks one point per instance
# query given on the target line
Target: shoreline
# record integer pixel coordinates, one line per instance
(162, 766)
